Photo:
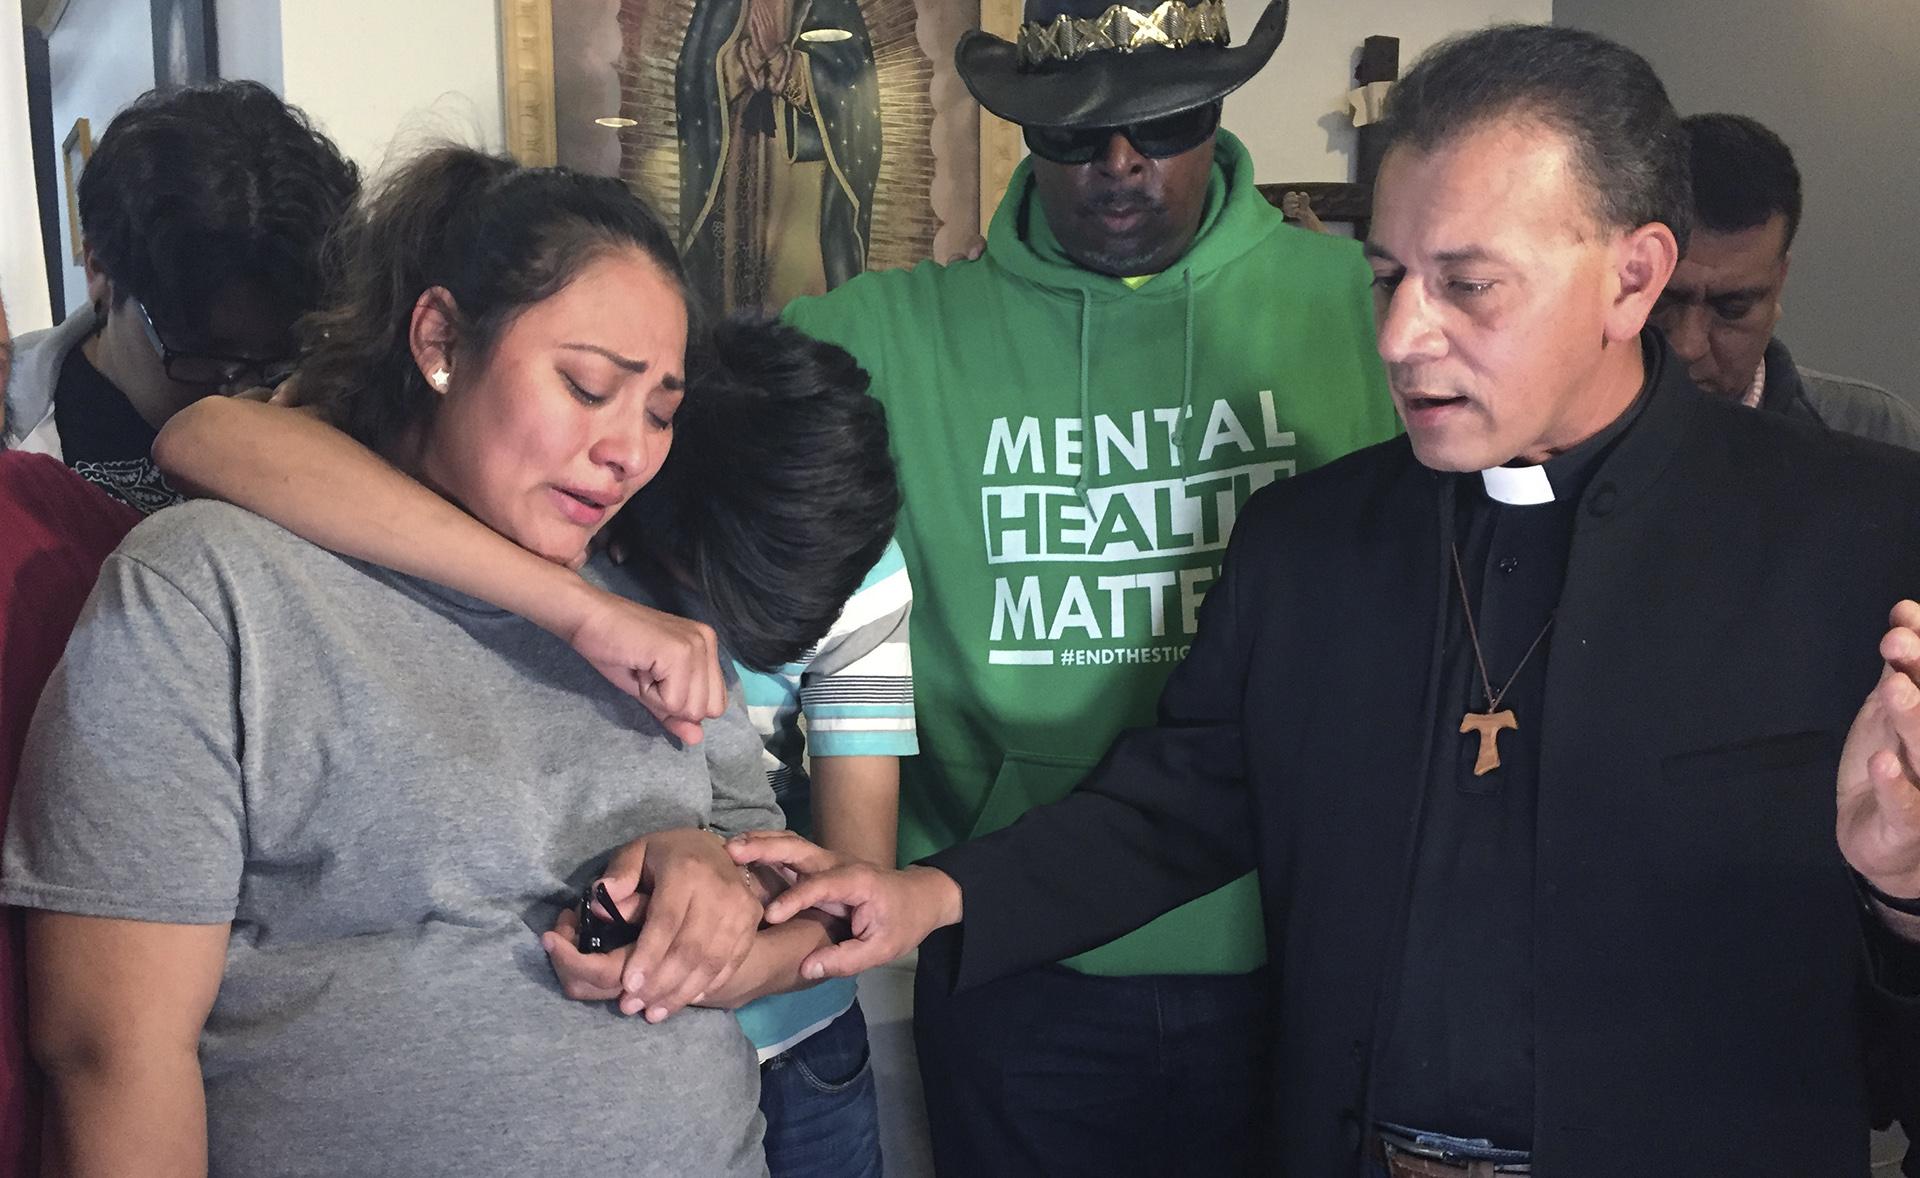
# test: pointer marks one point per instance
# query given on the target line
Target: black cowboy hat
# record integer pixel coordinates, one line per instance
(1081, 63)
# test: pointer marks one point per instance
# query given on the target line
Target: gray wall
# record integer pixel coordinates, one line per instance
(1839, 80)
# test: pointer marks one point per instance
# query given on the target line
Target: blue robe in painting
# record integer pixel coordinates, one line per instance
(731, 131)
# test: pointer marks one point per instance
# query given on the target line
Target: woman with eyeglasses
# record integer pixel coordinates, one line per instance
(202, 213)
(291, 825)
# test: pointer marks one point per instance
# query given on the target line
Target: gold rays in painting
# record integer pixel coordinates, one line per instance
(904, 221)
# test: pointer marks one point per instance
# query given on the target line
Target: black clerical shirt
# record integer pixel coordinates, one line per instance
(104, 438)
(1459, 1054)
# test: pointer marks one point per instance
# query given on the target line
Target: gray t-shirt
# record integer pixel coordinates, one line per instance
(386, 789)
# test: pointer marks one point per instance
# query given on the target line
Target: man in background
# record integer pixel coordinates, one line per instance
(1722, 307)
(1078, 416)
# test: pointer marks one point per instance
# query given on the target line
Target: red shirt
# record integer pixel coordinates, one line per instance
(55, 530)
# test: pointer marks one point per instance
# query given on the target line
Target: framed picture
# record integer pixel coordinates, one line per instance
(1001, 146)
(790, 144)
(75, 150)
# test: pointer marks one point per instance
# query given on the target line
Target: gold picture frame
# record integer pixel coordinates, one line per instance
(75, 150)
(526, 81)
(1001, 146)
(531, 111)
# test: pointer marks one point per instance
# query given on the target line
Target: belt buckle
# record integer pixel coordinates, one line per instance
(1465, 1154)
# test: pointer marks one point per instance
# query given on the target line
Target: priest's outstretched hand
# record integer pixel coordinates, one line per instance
(890, 911)
(1879, 783)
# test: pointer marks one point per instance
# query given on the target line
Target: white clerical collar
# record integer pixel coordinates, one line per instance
(1518, 486)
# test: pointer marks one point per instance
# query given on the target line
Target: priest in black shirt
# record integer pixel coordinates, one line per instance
(202, 212)
(1530, 721)
(1463, 1022)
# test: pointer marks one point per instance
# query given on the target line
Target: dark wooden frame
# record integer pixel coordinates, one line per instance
(1347, 203)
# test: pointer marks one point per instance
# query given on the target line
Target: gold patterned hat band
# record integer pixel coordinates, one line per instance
(1120, 29)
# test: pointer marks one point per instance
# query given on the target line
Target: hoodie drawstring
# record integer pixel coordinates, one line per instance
(1186, 388)
(1086, 399)
(1086, 395)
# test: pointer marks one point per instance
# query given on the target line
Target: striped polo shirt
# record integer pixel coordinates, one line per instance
(850, 696)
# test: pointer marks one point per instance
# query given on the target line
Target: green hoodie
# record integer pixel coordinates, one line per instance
(1073, 453)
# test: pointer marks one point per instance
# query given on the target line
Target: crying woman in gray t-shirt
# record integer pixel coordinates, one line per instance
(293, 824)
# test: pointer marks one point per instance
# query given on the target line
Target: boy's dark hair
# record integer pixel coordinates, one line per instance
(1743, 175)
(1627, 141)
(779, 493)
(192, 189)
(497, 236)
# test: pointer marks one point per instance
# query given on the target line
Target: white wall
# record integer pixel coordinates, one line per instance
(248, 33)
(1287, 115)
(23, 265)
(1836, 80)
(384, 76)
(100, 57)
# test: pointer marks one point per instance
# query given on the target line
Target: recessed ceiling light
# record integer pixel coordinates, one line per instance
(826, 35)
(617, 122)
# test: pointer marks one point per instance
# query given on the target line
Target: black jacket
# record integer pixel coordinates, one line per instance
(1708, 985)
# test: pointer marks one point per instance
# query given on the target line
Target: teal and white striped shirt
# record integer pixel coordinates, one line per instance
(850, 696)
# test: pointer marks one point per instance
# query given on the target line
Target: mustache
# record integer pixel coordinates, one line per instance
(1408, 379)
(1403, 376)
(1123, 201)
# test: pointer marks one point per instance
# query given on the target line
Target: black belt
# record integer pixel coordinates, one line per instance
(1407, 1154)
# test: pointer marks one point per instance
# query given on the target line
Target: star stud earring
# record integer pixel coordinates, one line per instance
(439, 378)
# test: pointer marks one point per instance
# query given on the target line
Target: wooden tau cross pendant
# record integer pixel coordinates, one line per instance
(1489, 725)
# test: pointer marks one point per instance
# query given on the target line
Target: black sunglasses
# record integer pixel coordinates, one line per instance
(213, 371)
(1157, 139)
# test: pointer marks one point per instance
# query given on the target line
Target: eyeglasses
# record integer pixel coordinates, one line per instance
(210, 369)
(1157, 139)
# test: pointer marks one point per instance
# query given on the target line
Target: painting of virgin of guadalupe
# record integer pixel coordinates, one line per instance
(778, 103)
(790, 144)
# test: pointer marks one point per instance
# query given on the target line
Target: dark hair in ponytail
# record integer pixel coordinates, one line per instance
(497, 236)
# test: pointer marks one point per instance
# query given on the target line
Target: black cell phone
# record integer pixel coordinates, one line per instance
(599, 934)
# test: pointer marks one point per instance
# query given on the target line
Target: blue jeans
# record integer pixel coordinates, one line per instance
(822, 1119)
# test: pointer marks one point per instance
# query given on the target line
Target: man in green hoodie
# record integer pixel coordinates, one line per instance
(1078, 417)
